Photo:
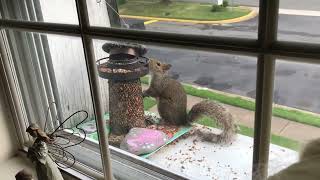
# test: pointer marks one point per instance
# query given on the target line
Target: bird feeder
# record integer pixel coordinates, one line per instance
(123, 69)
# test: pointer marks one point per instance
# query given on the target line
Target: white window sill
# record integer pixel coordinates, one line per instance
(10, 167)
(190, 159)
(202, 160)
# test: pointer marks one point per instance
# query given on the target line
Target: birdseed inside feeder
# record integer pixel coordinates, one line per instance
(123, 68)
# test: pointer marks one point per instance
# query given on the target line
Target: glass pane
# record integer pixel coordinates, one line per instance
(228, 80)
(54, 11)
(299, 21)
(211, 18)
(295, 112)
(51, 72)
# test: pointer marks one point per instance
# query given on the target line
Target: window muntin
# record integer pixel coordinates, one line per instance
(284, 49)
(70, 77)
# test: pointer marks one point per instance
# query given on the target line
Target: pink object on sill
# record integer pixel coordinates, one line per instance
(142, 140)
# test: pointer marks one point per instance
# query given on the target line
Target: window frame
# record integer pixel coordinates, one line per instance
(266, 48)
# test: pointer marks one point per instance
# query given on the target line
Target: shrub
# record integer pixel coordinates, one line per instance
(225, 3)
(216, 8)
(121, 2)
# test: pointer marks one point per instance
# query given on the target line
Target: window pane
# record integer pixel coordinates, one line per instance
(228, 79)
(236, 19)
(49, 69)
(54, 11)
(299, 21)
(295, 112)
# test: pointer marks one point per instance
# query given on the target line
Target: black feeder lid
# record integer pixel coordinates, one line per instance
(125, 62)
(133, 49)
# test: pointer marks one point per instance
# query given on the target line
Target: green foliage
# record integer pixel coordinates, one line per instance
(217, 8)
(166, 2)
(148, 103)
(206, 121)
(293, 115)
(179, 10)
(121, 2)
(144, 80)
(246, 131)
(225, 3)
(246, 104)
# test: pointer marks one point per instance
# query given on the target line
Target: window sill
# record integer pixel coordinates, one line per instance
(10, 167)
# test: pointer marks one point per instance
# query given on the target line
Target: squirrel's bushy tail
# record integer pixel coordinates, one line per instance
(217, 112)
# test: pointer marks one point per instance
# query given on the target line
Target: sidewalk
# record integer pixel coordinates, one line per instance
(279, 126)
(293, 12)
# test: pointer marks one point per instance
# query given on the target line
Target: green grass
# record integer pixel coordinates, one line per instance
(298, 116)
(121, 2)
(207, 94)
(180, 10)
(240, 102)
(148, 103)
(285, 142)
(293, 115)
(246, 131)
(144, 80)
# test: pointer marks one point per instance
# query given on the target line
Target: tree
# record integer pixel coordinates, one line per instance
(166, 2)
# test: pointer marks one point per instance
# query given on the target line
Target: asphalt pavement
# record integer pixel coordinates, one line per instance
(296, 85)
(291, 28)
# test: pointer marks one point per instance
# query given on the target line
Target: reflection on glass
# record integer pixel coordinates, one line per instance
(220, 18)
(304, 14)
(54, 11)
(295, 118)
(226, 80)
(51, 71)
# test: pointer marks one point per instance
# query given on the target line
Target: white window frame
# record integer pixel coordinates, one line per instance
(266, 48)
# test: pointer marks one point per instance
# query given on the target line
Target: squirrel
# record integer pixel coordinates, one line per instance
(172, 105)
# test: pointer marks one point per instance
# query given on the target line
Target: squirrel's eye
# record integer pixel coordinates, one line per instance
(158, 64)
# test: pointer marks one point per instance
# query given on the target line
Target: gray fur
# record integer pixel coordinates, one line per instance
(172, 105)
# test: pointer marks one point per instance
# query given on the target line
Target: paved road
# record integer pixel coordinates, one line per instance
(296, 85)
(284, 4)
(291, 28)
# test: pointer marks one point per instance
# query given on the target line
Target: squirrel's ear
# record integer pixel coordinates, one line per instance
(166, 66)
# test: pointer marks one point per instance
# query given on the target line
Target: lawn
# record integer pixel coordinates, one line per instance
(180, 10)
(293, 115)
(246, 131)
(148, 103)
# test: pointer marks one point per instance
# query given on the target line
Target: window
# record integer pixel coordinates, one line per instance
(295, 109)
(56, 11)
(50, 57)
(182, 17)
(295, 17)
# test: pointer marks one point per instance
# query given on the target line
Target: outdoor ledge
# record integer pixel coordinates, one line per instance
(191, 158)
(188, 157)
(203, 160)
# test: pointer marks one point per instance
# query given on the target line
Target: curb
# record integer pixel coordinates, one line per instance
(250, 99)
(252, 14)
(253, 100)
